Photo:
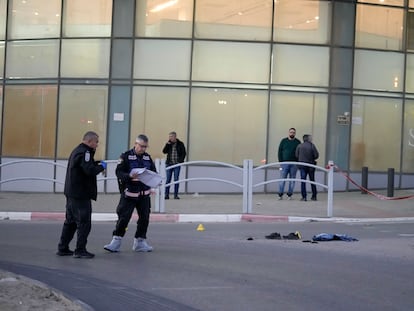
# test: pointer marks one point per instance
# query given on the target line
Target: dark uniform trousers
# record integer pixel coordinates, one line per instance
(124, 211)
(78, 217)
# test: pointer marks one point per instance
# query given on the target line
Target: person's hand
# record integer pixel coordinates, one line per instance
(103, 164)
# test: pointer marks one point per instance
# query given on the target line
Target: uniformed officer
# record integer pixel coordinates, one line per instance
(134, 195)
(80, 189)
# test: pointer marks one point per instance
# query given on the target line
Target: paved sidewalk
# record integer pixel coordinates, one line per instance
(347, 206)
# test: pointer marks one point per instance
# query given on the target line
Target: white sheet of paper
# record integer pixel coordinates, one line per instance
(147, 177)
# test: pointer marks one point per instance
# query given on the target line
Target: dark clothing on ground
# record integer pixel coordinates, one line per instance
(134, 194)
(80, 189)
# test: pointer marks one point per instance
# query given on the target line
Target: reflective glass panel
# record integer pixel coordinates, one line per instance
(311, 120)
(162, 59)
(411, 3)
(34, 109)
(302, 21)
(231, 61)
(1, 59)
(34, 19)
(3, 14)
(81, 109)
(300, 65)
(408, 138)
(378, 70)
(170, 18)
(87, 18)
(409, 84)
(377, 147)
(385, 2)
(236, 19)
(379, 27)
(85, 58)
(228, 125)
(32, 59)
(156, 111)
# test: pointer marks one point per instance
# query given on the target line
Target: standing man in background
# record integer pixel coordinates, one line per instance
(307, 153)
(80, 189)
(286, 153)
(175, 151)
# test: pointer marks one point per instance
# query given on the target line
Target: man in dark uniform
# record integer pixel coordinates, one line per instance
(175, 151)
(80, 189)
(134, 195)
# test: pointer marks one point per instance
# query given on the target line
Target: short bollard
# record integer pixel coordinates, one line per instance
(364, 179)
(390, 184)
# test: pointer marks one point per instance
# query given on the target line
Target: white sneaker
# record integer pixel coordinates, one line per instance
(141, 245)
(115, 244)
(289, 198)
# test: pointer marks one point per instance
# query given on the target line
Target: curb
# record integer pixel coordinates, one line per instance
(189, 218)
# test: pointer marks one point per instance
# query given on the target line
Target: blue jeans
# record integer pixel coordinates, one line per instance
(304, 172)
(287, 170)
(170, 172)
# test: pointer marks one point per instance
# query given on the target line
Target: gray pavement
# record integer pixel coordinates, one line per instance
(223, 207)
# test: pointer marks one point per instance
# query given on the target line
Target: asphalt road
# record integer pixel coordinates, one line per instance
(220, 268)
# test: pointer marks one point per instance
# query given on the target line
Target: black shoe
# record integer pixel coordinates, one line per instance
(167, 197)
(303, 199)
(273, 236)
(64, 252)
(83, 254)
(176, 197)
(313, 198)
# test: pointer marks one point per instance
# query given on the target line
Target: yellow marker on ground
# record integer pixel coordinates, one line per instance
(200, 227)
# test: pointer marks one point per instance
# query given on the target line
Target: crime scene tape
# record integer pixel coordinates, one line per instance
(379, 196)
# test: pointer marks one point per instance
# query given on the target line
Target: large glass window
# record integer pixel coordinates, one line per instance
(385, 2)
(29, 121)
(300, 65)
(379, 27)
(1, 59)
(284, 114)
(410, 31)
(377, 147)
(156, 111)
(81, 109)
(302, 21)
(411, 5)
(408, 138)
(409, 84)
(34, 19)
(171, 18)
(87, 18)
(32, 59)
(162, 59)
(3, 14)
(236, 20)
(231, 61)
(228, 125)
(85, 58)
(378, 70)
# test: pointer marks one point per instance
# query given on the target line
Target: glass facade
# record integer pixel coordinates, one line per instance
(230, 77)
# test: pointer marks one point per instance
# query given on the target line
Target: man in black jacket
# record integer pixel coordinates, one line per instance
(175, 150)
(80, 189)
(306, 152)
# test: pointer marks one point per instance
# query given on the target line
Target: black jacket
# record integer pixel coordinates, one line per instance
(181, 152)
(80, 182)
(306, 152)
(128, 161)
